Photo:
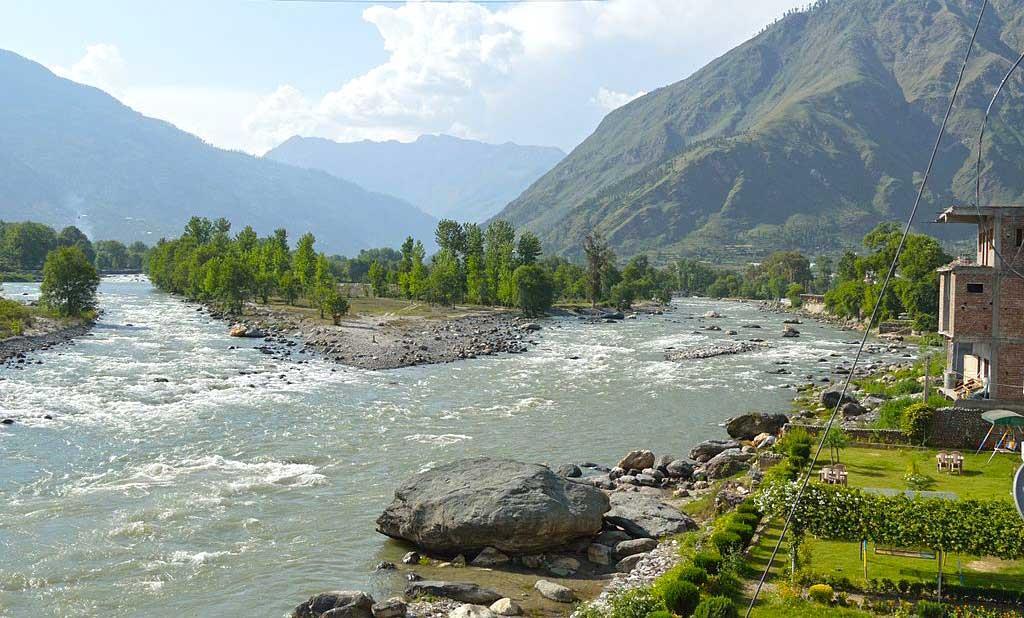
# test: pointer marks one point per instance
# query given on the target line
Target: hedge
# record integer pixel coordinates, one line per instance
(973, 527)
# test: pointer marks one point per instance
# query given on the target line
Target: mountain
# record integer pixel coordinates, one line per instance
(72, 154)
(803, 137)
(446, 176)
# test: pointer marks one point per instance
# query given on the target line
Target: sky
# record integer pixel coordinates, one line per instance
(247, 75)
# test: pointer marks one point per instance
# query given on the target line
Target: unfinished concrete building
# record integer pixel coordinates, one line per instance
(981, 307)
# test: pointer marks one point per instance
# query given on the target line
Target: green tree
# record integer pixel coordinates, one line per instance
(69, 282)
(599, 257)
(289, 286)
(378, 279)
(445, 280)
(528, 248)
(622, 295)
(304, 263)
(324, 285)
(534, 290)
(335, 305)
(499, 246)
(793, 293)
(71, 236)
(476, 276)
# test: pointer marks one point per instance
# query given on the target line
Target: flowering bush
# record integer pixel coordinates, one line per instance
(821, 593)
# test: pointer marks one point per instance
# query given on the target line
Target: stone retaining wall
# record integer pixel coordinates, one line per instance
(874, 436)
(958, 428)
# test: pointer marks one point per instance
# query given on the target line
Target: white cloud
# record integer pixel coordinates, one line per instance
(102, 66)
(486, 71)
(609, 99)
(525, 72)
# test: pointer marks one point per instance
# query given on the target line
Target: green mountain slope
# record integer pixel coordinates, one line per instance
(445, 176)
(803, 137)
(71, 154)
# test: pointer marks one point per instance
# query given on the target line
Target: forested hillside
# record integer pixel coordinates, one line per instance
(804, 137)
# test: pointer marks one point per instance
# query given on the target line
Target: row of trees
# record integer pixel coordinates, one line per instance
(914, 290)
(208, 264)
(25, 245)
(493, 266)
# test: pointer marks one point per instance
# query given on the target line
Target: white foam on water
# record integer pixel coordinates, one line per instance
(446, 439)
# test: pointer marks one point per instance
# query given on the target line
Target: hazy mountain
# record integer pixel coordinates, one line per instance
(804, 136)
(71, 154)
(446, 176)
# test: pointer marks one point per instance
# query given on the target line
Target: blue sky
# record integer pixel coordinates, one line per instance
(247, 75)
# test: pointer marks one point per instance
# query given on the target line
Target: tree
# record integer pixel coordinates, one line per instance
(445, 281)
(289, 286)
(793, 293)
(599, 258)
(304, 263)
(378, 279)
(334, 304)
(69, 282)
(324, 285)
(836, 441)
(528, 249)
(476, 277)
(71, 236)
(622, 295)
(534, 290)
(450, 236)
(499, 246)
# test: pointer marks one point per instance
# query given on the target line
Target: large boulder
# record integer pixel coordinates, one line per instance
(709, 448)
(457, 591)
(746, 426)
(645, 515)
(853, 409)
(637, 460)
(830, 399)
(727, 463)
(514, 507)
(340, 604)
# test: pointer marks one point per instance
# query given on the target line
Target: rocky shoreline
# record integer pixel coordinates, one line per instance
(389, 342)
(45, 334)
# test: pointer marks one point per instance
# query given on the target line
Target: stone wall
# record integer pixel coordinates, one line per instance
(958, 428)
(866, 435)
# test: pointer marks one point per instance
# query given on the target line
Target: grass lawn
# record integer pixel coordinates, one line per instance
(884, 468)
(803, 610)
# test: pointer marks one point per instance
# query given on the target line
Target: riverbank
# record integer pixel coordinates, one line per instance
(43, 334)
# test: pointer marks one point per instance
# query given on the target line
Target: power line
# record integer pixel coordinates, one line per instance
(874, 314)
(444, 1)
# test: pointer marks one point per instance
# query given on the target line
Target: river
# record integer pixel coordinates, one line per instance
(179, 477)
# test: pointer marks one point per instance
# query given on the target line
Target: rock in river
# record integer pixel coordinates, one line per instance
(338, 604)
(746, 426)
(637, 460)
(471, 504)
(457, 591)
(709, 448)
(644, 515)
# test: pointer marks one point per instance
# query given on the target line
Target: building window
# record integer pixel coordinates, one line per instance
(975, 288)
(1020, 236)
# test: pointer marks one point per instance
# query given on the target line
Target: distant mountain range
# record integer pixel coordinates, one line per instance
(445, 176)
(71, 154)
(805, 137)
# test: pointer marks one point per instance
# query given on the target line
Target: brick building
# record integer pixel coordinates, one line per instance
(981, 306)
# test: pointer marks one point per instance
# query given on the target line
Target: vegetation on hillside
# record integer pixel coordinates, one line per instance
(804, 137)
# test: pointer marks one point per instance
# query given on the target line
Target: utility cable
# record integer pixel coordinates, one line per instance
(874, 315)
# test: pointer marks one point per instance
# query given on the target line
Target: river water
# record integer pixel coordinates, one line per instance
(178, 477)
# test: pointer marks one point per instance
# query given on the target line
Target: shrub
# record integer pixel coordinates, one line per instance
(741, 530)
(916, 420)
(907, 386)
(748, 507)
(695, 575)
(747, 519)
(707, 561)
(821, 593)
(635, 603)
(660, 613)
(681, 597)
(930, 609)
(715, 607)
(726, 541)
